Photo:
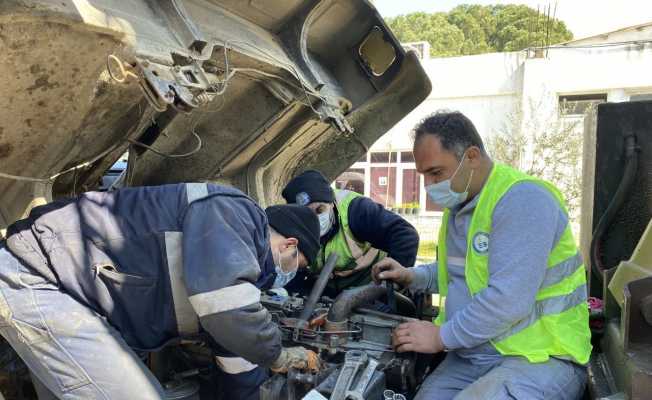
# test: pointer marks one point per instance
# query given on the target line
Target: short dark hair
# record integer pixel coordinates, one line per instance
(455, 131)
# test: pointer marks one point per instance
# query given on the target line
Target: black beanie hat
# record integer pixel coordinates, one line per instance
(297, 222)
(308, 187)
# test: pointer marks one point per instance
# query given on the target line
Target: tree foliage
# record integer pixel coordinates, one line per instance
(544, 145)
(476, 29)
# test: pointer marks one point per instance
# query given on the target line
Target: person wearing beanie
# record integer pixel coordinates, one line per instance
(359, 230)
(107, 272)
(294, 238)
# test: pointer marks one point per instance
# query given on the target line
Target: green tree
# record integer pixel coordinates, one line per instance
(476, 29)
(478, 24)
(544, 145)
(445, 38)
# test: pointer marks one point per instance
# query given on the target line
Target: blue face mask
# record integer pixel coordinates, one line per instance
(282, 277)
(442, 194)
(325, 222)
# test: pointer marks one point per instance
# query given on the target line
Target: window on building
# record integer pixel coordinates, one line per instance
(352, 179)
(380, 157)
(383, 157)
(410, 191)
(641, 97)
(580, 104)
(383, 185)
(407, 157)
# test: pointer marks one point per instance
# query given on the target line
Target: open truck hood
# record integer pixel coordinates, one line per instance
(269, 88)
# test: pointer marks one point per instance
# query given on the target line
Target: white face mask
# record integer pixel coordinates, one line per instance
(442, 194)
(325, 222)
(283, 277)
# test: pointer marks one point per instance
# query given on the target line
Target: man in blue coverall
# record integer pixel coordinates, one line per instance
(514, 320)
(86, 281)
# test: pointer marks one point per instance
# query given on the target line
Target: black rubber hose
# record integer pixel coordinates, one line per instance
(318, 288)
(351, 299)
(391, 297)
(631, 166)
(405, 306)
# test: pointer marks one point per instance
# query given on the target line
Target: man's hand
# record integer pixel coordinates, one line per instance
(390, 269)
(417, 336)
(296, 357)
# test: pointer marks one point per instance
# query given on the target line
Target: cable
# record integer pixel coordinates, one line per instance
(307, 103)
(23, 178)
(591, 46)
(307, 91)
(123, 71)
(160, 153)
(220, 89)
(101, 155)
(53, 177)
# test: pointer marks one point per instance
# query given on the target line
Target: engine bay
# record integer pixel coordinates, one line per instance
(352, 338)
(353, 343)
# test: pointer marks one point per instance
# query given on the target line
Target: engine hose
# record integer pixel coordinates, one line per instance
(405, 306)
(631, 166)
(351, 299)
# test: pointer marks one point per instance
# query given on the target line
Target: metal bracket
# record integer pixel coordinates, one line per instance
(165, 85)
(633, 324)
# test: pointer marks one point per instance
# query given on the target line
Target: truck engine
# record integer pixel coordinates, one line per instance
(353, 341)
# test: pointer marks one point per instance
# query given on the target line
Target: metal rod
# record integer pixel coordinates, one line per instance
(381, 314)
(319, 287)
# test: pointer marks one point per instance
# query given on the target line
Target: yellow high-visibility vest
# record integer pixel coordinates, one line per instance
(559, 324)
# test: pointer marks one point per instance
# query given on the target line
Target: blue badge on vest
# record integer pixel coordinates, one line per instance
(481, 243)
(302, 199)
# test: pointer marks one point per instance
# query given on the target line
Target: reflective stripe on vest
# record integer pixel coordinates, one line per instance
(196, 191)
(234, 365)
(558, 324)
(188, 309)
(352, 254)
(187, 321)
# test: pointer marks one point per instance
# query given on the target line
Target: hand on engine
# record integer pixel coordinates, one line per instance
(296, 357)
(417, 336)
(390, 269)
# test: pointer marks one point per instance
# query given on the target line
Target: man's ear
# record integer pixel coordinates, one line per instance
(474, 154)
(291, 242)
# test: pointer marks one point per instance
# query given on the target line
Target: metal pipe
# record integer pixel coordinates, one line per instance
(319, 287)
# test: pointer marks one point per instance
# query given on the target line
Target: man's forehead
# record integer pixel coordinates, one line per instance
(429, 153)
(429, 142)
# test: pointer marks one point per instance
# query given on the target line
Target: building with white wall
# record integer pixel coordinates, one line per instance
(491, 89)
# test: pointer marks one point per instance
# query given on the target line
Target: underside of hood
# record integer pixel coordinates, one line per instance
(246, 93)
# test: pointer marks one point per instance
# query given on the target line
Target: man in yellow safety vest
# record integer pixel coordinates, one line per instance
(513, 315)
(359, 230)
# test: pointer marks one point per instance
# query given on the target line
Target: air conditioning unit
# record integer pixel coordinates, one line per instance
(421, 48)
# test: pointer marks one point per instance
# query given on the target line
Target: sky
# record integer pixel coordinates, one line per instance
(583, 17)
